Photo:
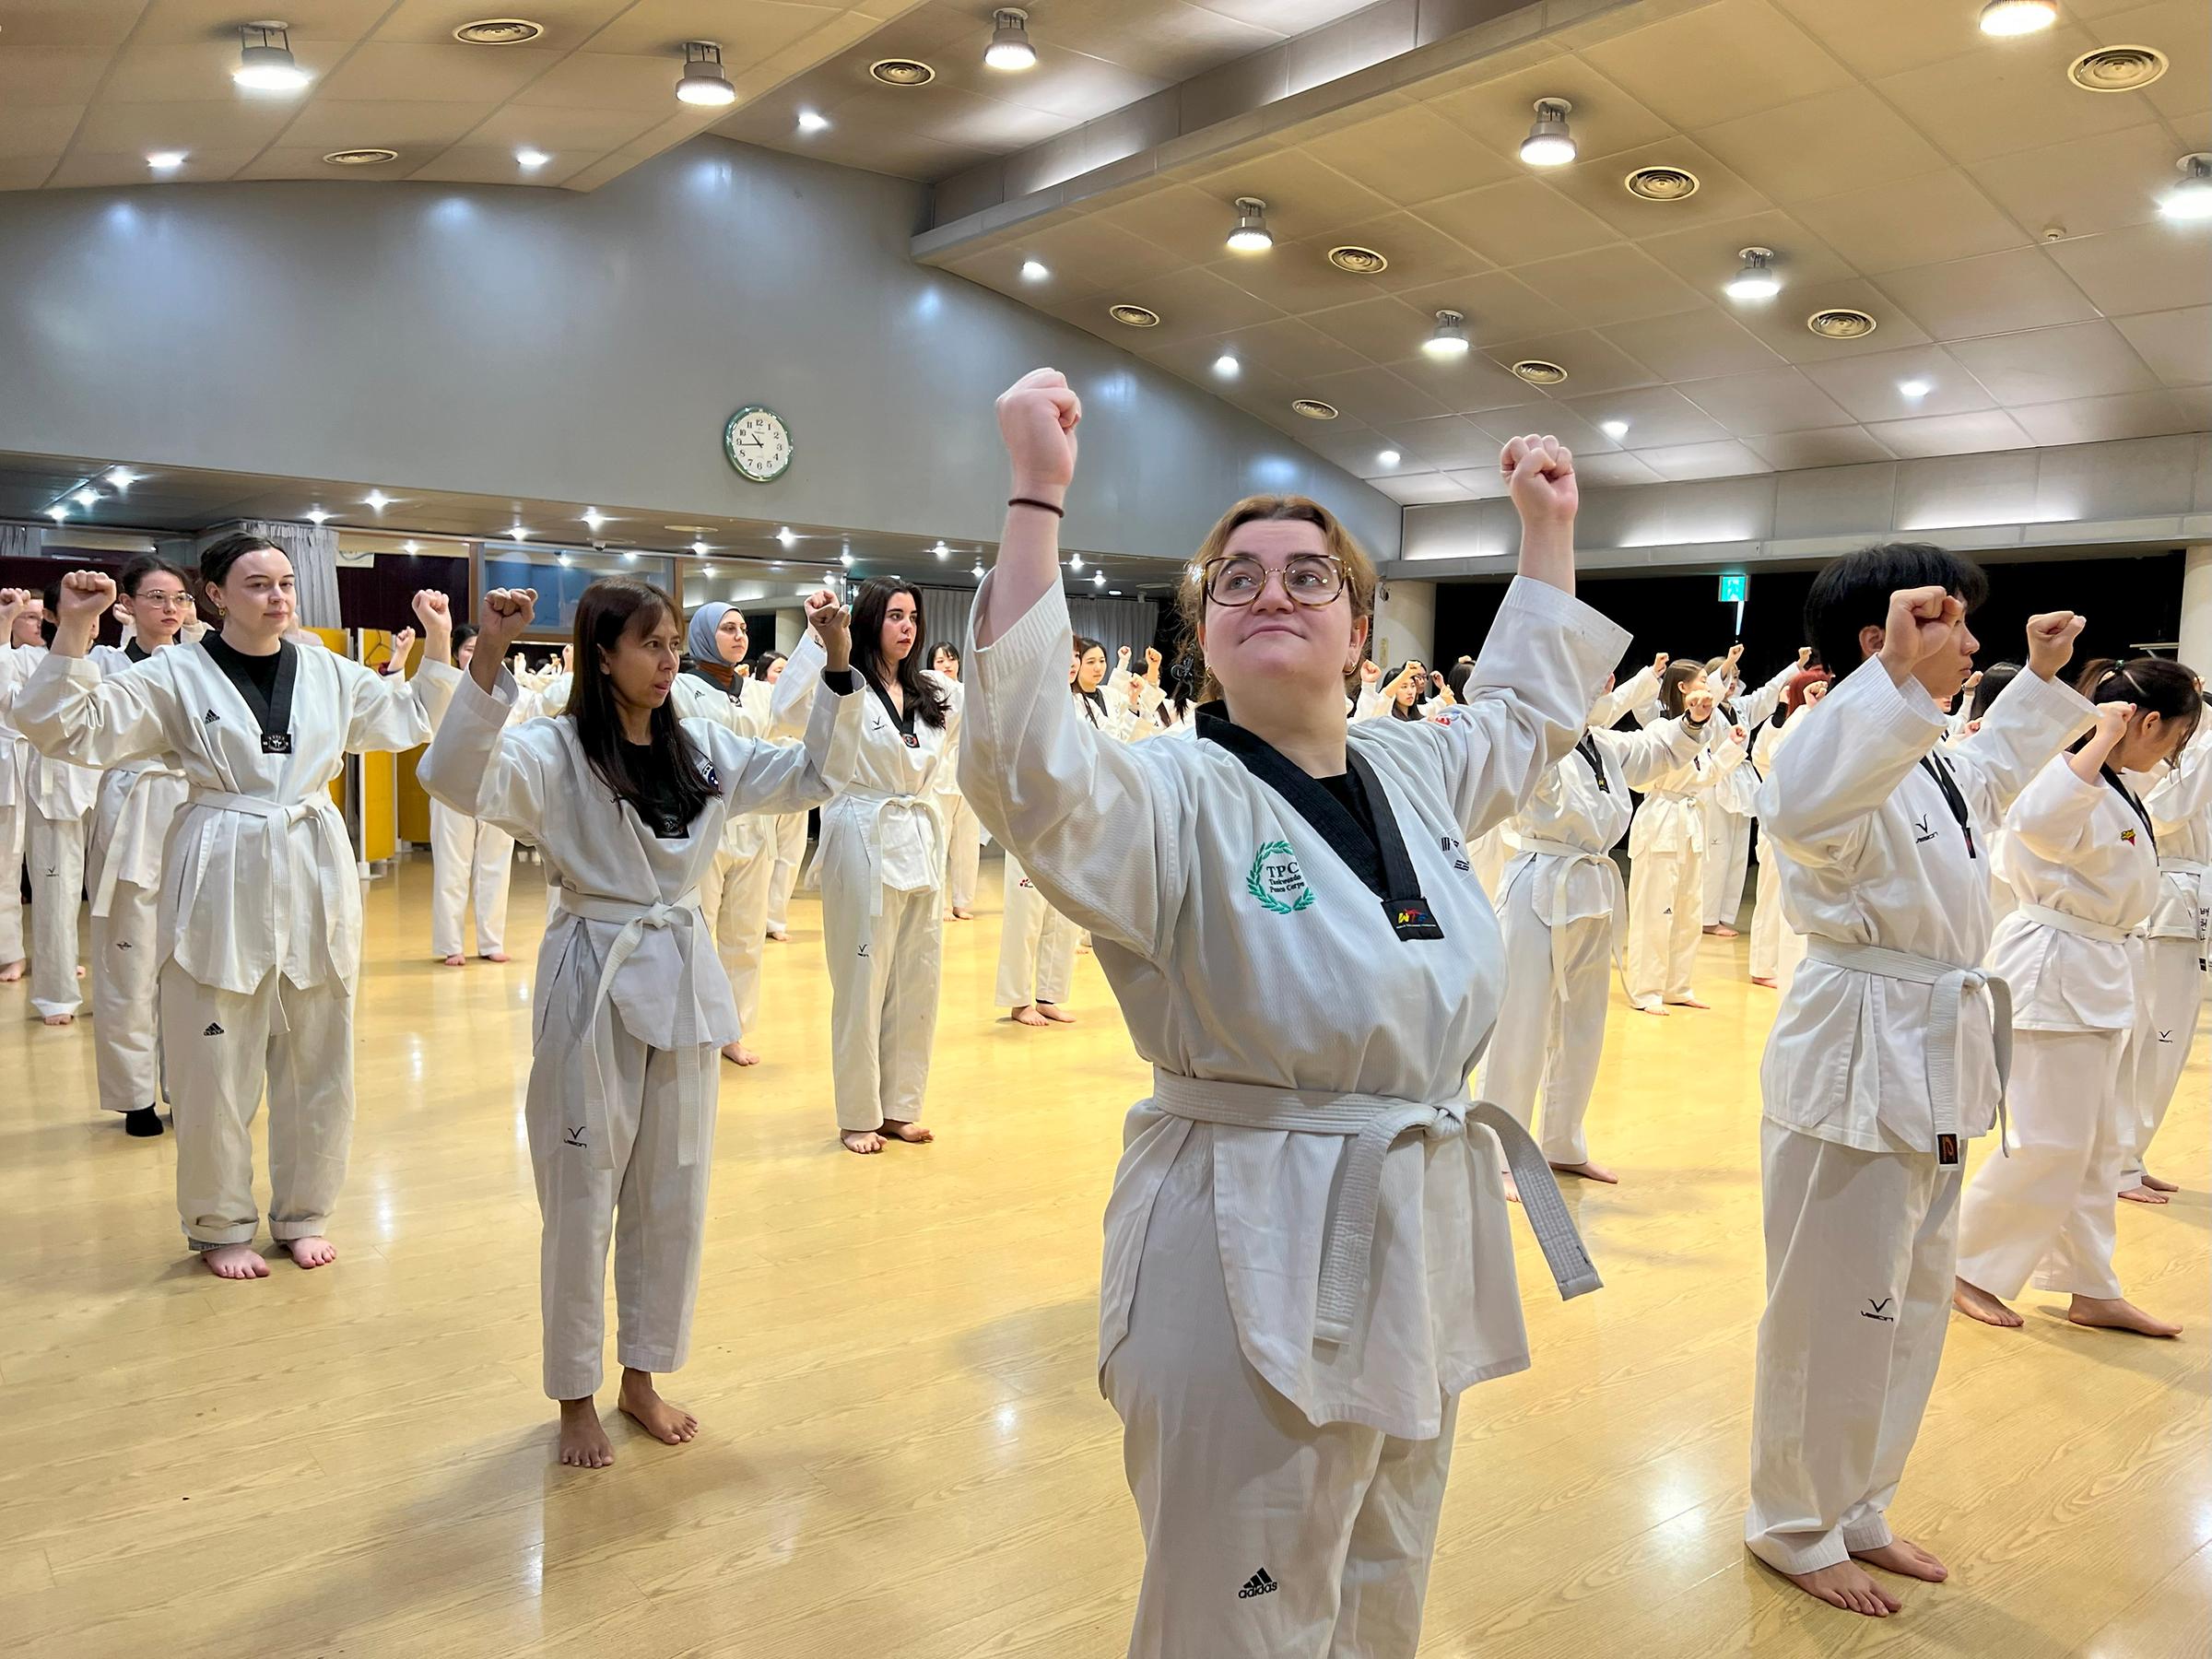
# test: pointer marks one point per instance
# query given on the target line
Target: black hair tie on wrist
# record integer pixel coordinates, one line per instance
(1058, 512)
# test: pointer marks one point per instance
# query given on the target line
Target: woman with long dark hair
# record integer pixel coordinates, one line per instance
(2082, 859)
(882, 859)
(260, 931)
(627, 801)
(963, 835)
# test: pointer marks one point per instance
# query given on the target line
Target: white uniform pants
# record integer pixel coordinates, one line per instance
(883, 989)
(12, 820)
(1665, 891)
(1860, 1250)
(652, 1208)
(964, 851)
(1265, 1537)
(466, 852)
(56, 852)
(2175, 987)
(1727, 861)
(1551, 1026)
(1776, 946)
(734, 898)
(1036, 946)
(221, 1047)
(791, 847)
(126, 1019)
(2047, 1210)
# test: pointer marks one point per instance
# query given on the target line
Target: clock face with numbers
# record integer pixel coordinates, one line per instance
(757, 443)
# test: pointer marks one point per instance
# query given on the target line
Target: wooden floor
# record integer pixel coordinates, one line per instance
(905, 1454)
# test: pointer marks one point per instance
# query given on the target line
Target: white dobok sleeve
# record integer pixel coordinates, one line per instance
(70, 712)
(1647, 755)
(387, 712)
(472, 768)
(2028, 723)
(2185, 794)
(2054, 816)
(1857, 745)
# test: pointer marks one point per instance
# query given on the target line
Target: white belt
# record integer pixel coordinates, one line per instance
(874, 804)
(1950, 983)
(1573, 855)
(1374, 1123)
(599, 1048)
(103, 887)
(335, 866)
(2079, 926)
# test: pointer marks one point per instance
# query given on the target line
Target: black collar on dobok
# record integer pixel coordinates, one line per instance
(903, 719)
(1358, 824)
(1587, 748)
(2128, 795)
(1939, 768)
(273, 710)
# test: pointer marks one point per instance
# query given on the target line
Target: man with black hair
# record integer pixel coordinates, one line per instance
(1888, 1051)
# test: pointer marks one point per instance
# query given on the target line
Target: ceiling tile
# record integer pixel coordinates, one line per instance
(91, 26)
(1602, 187)
(2181, 29)
(2052, 365)
(1374, 395)
(1656, 415)
(2002, 97)
(564, 134)
(1615, 284)
(1593, 362)
(305, 161)
(1718, 62)
(2084, 185)
(1466, 385)
(1781, 322)
(607, 81)
(1766, 403)
(1419, 489)
(26, 172)
(1915, 221)
(1291, 349)
(1540, 416)
(1997, 293)
(1694, 344)
(2176, 344)
(1088, 253)
(2157, 266)
(31, 77)
(1867, 386)
(1497, 305)
(38, 129)
(1177, 41)
(1803, 150)
(1708, 256)
(1358, 450)
(1520, 220)
(1304, 198)
(1833, 446)
(1483, 483)
(1444, 441)
(397, 72)
(1297, 278)
(1726, 459)
(1194, 302)
(1881, 37)
(1419, 252)
(1190, 223)
(1410, 156)
(1614, 470)
(113, 128)
(1383, 330)
(330, 123)
(2103, 420)
(749, 31)
(1498, 112)
(569, 23)
(1951, 434)
(178, 22)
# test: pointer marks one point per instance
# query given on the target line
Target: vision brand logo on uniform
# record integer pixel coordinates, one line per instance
(1879, 1310)
(576, 1135)
(1259, 1583)
(1921, 832)
(2165, 1036)
(1276, 881)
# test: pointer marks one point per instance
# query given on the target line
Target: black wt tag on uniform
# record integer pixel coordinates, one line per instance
(912, 741)
(1412, 918)
(276, 742)
(1947, 1150)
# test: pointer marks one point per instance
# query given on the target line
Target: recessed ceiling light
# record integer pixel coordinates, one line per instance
(1389, 457)
(1133, 316)
(1098, 579)
(593, 517)
(86, 497)
(1915, 388)
(1359, 262)
(518, 532)
(786, 537)
(123, 478)
(315, 516)
(812, 121)
(902, 72)
(1548, 143)
(2017, 17)
(265, 60)
(361, 158)
(166, 161)
(2192, 198)
(1662, 184)
(499, 31)
(1755, 280)
(2117, 68)
(1312, 409)
(942, 551)
(1841, 323)
(699, 547)
(1536, 371)
(1614, 428)
(1033, 271)
(1009, 48)
(1450, 340)
(704, 81)
(409, 546)
(1227, 366)
(531, 160)
(377, 499)
(1250, 233)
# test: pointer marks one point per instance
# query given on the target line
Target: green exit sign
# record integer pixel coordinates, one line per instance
(1735, 590)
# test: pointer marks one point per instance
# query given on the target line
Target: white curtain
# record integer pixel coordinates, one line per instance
(314, 551)
(18, 541)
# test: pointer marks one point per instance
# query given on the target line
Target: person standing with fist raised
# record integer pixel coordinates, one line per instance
(627, 801)
(260, 929)
(1308, 1251)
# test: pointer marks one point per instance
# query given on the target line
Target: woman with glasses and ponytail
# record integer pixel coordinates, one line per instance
(1308, 1255)
(2082, 857)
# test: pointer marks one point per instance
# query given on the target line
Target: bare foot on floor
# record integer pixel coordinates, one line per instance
(80, 971)
(913, 1133)
(1651, 1008)
(59, 1019)
(456, 960)
(861, 1140)
(2117, 1313)
(1057, 1015)
(2146, 1194)
(235, 1262)
(1589, 1171)
(12, 971)
(1688, 1001)
(962, 915)
(1768, 983)
(779, 935)
(1512, 1187)
(671, 1425)
(312, 1252)
(1026, 1014)
(583, 1443)
(1847, 1586)
(1977, 1303)
(2156, 1185)
(1723, 931)
(736, 1053)
(1903, 1555)
(495, 956)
